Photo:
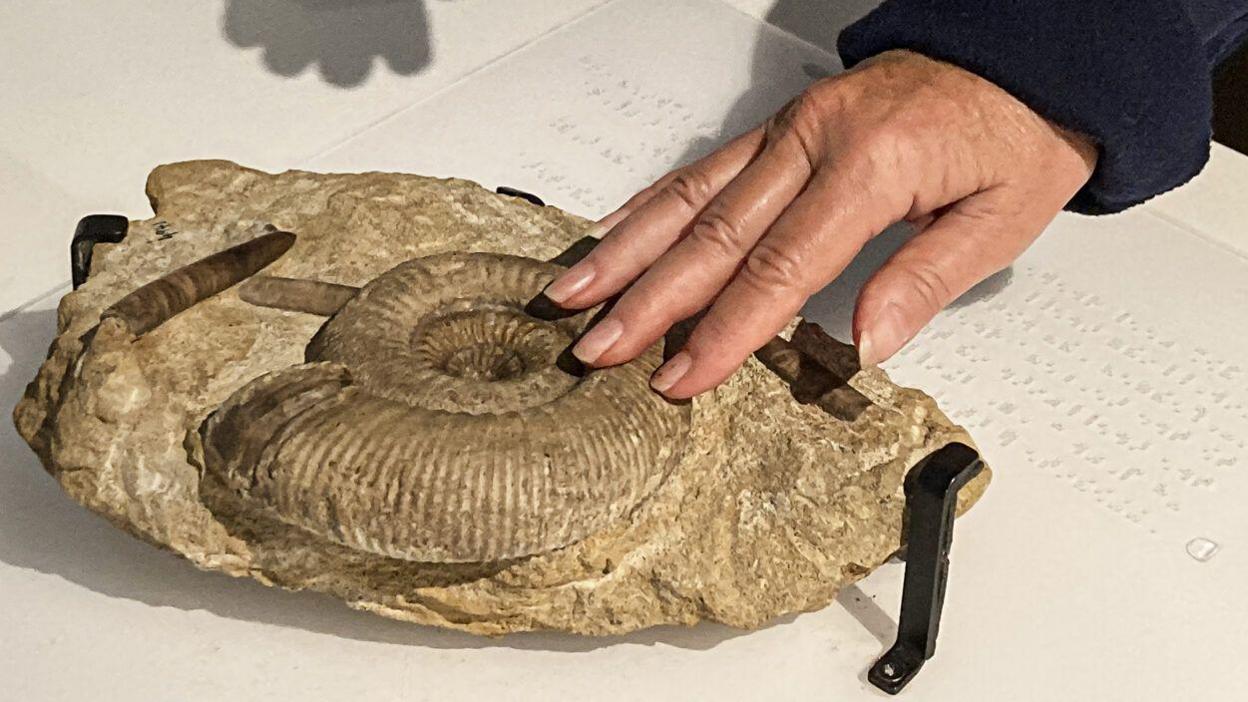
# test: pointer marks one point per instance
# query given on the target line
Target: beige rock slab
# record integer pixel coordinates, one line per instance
(773, 505)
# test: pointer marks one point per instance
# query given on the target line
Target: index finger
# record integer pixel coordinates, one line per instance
(646, 232)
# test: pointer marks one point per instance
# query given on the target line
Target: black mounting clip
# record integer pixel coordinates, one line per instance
(92, 230)
(931, 501)
(514, 192)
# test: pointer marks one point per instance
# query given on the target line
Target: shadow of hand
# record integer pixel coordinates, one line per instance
(342, 36)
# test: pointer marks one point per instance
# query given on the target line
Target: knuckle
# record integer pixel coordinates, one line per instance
(800, 120)
(718, 233)
(770, 267)
(883, 145)
(641, 197)
(884, 159)
(929, 285)
(691, 187)
(812, 105)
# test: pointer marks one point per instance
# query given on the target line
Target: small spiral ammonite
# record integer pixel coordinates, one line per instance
(435, 421)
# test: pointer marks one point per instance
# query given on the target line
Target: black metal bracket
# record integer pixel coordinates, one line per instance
(92, 230)
(513, 192)
(931, 502)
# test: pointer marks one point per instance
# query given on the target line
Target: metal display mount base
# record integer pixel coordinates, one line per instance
(514, 192)
(92, 230)
(931, 500)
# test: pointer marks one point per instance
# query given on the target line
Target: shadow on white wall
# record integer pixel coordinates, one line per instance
(342, 39)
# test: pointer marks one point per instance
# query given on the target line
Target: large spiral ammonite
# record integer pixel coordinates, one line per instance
(433, 420)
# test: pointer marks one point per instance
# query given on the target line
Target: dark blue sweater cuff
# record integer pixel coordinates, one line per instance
(1130, 74)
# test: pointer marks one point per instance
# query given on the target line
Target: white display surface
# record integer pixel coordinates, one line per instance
(97, 92)
(1105, 378)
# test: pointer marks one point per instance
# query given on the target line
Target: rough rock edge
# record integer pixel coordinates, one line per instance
(776, 507)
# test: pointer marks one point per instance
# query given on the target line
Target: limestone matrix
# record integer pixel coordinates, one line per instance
(382, 411)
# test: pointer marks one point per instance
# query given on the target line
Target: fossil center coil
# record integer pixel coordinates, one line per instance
(451, 333)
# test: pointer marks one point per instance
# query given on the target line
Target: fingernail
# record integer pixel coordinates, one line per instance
(671, 372)
(885, 336)
(570, 282)
(598, 340)
(597, 231)
(866, 350)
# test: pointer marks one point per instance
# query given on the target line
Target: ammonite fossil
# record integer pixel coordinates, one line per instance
(434, 420)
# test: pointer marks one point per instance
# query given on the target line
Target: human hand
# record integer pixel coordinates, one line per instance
(760, 225)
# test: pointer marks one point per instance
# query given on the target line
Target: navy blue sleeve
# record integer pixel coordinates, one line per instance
(1133, 75)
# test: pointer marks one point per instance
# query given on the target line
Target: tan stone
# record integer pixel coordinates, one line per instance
(761, 498)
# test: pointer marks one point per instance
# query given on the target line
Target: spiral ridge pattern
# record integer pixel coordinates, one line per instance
(433, 422)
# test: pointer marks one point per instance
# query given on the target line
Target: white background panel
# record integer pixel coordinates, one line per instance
(98, 92)
(1103, 376)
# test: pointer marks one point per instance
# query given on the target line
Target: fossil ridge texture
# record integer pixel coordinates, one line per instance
(346, 383)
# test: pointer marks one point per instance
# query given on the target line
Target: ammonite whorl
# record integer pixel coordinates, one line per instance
(433, 423)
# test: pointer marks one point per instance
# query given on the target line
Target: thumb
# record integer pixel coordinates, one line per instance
(967, 243)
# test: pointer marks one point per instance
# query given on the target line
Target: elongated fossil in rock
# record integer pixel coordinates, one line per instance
(297, 294)
(151, 305)
(434, 421)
